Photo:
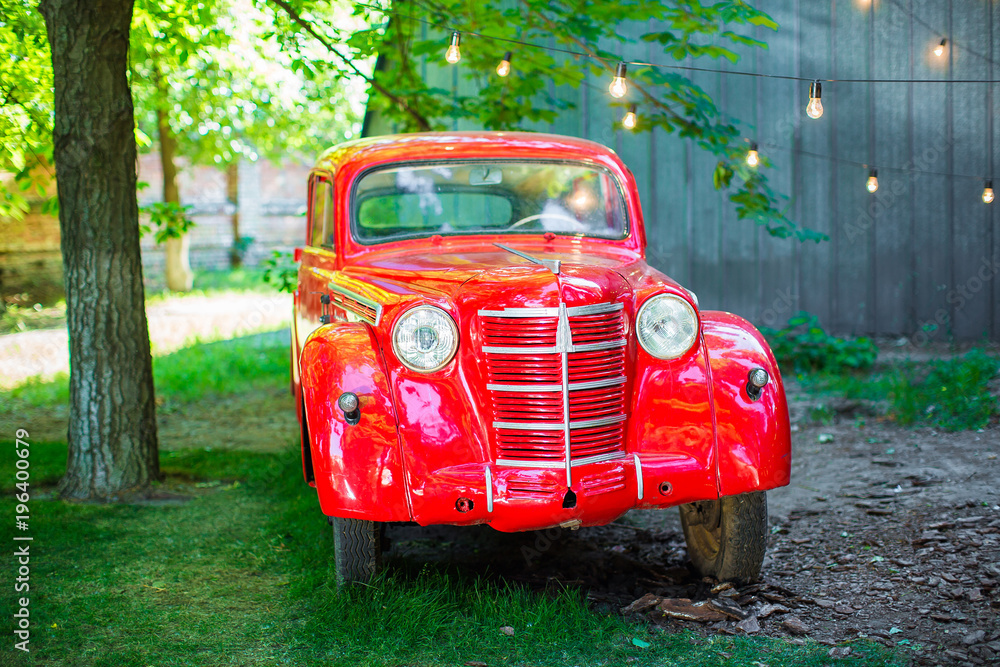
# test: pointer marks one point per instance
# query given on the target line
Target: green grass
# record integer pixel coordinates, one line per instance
(29, 316)
(241, 575)
(211, 283)
(189, 374)
(951, 394)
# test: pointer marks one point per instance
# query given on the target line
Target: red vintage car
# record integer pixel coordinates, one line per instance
(478, 339)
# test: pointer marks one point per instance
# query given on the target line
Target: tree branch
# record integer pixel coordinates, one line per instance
(649, 97)
(420, 120)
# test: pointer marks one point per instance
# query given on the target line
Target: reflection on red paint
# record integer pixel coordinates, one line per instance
(425, 441)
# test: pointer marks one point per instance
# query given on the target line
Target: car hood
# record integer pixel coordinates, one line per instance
(453, 272)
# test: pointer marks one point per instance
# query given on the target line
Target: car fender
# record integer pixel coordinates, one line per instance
(753, 436)
(358, 468)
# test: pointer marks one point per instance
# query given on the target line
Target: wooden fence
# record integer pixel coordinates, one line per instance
(921, 257)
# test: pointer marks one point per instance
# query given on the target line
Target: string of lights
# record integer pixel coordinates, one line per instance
(618, 88)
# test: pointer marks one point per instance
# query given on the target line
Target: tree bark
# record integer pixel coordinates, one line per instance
(112, 426)
(180, 278)
(233, 195)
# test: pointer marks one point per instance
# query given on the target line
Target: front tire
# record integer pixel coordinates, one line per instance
(357, 546)
(727, 538)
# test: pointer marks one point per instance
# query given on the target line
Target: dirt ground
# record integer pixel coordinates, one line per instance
(885, 533)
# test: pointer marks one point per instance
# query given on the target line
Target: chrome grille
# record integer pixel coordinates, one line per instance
(556, 378)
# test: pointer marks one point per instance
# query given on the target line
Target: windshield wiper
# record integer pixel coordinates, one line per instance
(550, 264)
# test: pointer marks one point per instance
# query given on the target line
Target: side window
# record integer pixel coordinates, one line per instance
(321, 212)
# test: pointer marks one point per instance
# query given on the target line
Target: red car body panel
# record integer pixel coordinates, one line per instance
(427, 448)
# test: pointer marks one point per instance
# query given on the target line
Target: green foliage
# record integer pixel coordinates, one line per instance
(281, 271)
(952, 394)
(26, 107)
(410, 53)
(215, 72)
(167, 220)
(804, 346)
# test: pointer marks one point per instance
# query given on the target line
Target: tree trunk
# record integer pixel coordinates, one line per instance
(233, 195)
(112, 426)
(180, 278)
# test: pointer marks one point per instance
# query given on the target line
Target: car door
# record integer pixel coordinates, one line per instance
(318, 258)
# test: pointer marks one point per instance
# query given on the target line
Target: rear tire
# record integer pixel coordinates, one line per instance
(727, 538)
(357, 546)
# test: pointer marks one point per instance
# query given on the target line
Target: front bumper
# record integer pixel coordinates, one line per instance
(516, 499)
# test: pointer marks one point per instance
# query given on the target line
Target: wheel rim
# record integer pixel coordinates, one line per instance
(705, 527)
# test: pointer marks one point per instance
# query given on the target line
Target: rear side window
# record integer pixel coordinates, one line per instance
(321, 213)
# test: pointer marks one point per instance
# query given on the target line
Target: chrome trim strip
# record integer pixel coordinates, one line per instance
(559, 426)
(564, 341)
(596, 384)
(638, 475)
(374, 305)
(594, 309)
(550, 264)
(548, 388)
(521, 312)
(591, 423)
(489, 489)
(552, 465)
(515, 463)
(530, 426)
(520, 350)
(590, 347)
(526, 388)
(599, 458)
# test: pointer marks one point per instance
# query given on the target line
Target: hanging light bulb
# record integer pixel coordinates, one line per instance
(988, 195)
(815, 107)
(753, 158)
(872, 181)
(618, 86)
(630, 119)
(939, 49)
(454, 54)
(503, 69)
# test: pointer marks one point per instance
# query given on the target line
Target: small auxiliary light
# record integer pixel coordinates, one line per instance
(350, 406)
(756, 381)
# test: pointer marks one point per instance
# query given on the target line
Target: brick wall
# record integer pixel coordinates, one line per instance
(271, 206)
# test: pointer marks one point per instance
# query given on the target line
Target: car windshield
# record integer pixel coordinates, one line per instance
(487, 198)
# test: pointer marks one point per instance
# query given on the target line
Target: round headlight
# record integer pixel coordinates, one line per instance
(667, 326)
(425, 339)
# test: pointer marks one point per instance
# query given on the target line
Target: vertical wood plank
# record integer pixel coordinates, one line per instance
(970, 299)
(812, 187)
(931, 149)
(891, 279)
(849, 118)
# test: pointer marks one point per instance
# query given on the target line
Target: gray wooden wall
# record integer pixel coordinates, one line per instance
(921, 258)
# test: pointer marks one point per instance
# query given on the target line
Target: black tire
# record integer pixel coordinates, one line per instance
(357, 547)
(726, 538)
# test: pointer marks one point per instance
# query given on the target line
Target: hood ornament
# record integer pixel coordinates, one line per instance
(550, 264)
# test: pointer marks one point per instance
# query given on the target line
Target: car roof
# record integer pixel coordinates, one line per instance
(447, 145)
